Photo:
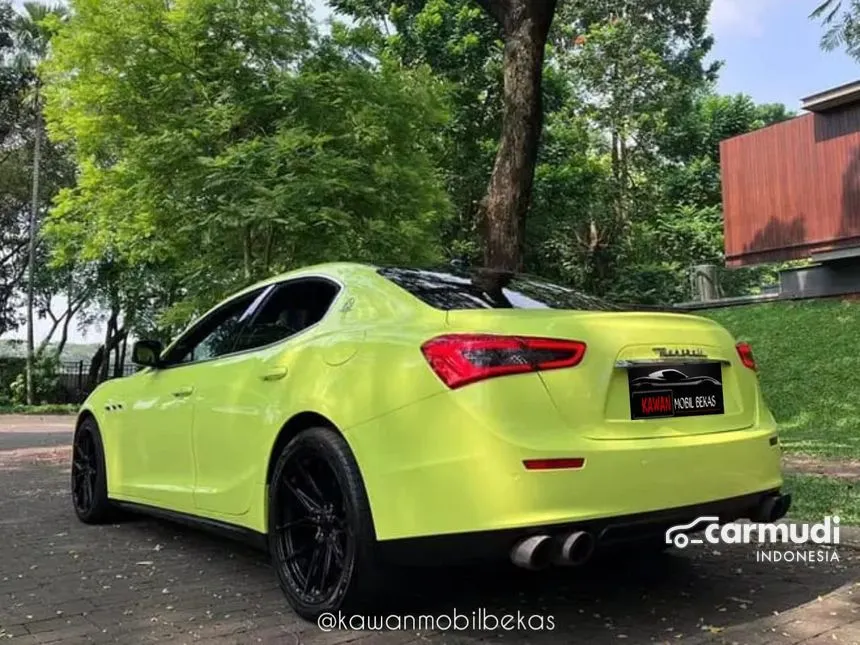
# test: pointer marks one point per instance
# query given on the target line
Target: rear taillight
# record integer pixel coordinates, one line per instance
(460, 359)
(746, 354)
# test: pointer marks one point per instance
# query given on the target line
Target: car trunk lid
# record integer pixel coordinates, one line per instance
(595, 397)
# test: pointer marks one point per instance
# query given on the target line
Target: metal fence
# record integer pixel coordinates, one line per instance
(74, 384)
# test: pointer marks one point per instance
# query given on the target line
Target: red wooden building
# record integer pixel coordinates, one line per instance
(792, 190)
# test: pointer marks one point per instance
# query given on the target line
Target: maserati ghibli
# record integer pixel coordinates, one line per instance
(351, 418)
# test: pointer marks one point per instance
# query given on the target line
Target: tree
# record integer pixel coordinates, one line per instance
(686, 227)
(633, 70)
(463, 48)
(10, 76)
(13, 239)
(213, 152)
(75, 285)
(525, 27)
(693, 144)
(842, 20)
(33, 37)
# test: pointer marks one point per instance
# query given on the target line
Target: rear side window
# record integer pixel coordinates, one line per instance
(488, 290)
(291, 308)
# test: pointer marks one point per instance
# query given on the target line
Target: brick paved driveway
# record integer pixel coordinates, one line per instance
(147, 581)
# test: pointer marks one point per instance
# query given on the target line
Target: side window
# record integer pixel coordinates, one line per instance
(291, 307)
(216, 334)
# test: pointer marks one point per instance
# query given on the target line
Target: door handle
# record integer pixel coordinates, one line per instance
(275, 374)
(183, 392)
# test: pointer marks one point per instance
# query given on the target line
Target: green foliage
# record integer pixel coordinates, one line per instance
(693, 143)
(23, 44)
(462, 47)
(13, 176)
(11, 367)
(629, 74)
(214, 152)
(813, 387)
(45, 382)
(216, 142)
(842, 22)
(662, 250)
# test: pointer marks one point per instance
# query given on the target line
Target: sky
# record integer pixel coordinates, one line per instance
(770, 50)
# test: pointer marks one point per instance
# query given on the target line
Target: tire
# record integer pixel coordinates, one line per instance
(338, 536)
(89, 475)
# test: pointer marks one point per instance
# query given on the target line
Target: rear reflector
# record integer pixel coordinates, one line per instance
(461, 359)
(571, 463)
(746, 354)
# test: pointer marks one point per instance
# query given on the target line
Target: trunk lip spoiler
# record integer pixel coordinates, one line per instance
(658, 362)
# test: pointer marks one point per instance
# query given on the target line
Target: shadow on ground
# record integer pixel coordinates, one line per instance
(662, 597)
(144, 579)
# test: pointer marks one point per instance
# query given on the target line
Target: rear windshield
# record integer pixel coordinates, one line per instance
(491, 290)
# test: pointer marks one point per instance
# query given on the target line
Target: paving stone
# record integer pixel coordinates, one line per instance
(143, 581)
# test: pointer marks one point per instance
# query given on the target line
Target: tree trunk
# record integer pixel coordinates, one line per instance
(119, 368)
(95, 367)
(246, 251)
(64, 333)
(31, 260)
(116, 370)
(525, 24)
(270, 245)
(101, 360)
(110, 333)
(55, 323)
(71, 311)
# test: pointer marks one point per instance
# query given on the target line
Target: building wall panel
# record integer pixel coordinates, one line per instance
(793, 188)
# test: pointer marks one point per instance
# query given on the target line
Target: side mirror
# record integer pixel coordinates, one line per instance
(146, 353)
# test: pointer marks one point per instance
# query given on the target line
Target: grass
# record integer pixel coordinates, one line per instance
(814, 496)
(39, 409)
(808, 354)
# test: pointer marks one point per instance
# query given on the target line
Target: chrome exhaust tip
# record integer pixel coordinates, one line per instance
(575, 549)
(534, 552)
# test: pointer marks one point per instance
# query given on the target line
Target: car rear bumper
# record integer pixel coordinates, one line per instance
(430, 469)
(610, 533)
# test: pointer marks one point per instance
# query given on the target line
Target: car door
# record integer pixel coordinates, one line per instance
(239, 402)
(157, 464)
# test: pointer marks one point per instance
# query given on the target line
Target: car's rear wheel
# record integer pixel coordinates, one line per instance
(89, 475)
(321, 535)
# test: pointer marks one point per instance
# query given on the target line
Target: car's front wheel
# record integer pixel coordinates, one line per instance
(89, 475)
(321, 535)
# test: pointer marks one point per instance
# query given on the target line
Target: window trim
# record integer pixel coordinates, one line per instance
(260, 302)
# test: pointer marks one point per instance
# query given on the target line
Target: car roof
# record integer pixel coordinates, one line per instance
(338, 270)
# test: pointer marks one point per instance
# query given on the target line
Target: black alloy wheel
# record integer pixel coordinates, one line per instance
(320, 530)
(314, 538)
(84, 471)
(89, 476)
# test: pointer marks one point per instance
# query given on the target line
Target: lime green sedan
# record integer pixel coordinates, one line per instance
(352, 418)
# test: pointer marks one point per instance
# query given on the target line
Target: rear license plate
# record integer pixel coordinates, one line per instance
(690, 390)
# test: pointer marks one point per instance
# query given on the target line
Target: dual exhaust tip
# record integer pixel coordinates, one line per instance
(574, 549)
(538, 552)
